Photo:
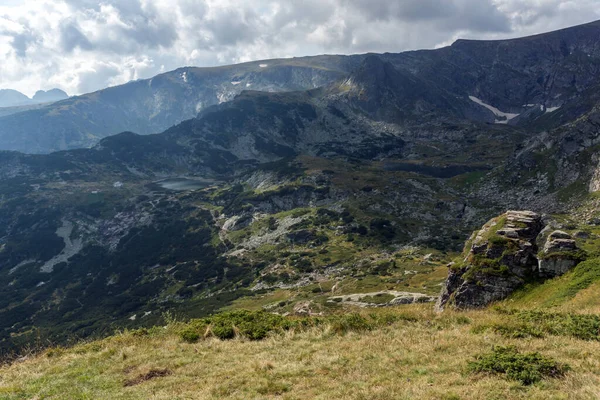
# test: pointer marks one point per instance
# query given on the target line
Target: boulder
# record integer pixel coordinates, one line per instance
(302, 236)
(498, 259)
(560, 254)
(238, 222)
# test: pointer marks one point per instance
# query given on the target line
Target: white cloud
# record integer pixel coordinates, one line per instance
(85, 45)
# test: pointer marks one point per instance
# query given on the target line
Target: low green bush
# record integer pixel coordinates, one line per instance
(257, 325)
(527, 368)
(345, 323)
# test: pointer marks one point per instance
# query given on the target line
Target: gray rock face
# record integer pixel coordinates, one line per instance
(237, 222)
(559, 255)
(502, 255)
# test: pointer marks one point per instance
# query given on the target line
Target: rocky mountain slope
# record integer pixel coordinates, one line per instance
(344, 180)
(525, 82)
(153, 105)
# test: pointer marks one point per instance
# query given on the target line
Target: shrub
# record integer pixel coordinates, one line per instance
(252, 325)
(190, 335)
(527, 368)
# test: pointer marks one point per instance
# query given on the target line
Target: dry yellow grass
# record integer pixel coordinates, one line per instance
(407, 360)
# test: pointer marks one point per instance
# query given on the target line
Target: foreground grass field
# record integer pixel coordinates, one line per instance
(418, 355)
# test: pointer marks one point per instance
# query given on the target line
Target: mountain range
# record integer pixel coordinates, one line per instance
(369, 171)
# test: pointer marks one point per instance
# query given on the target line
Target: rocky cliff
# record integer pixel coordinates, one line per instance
(502, 256)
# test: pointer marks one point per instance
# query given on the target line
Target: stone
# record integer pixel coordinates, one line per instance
(496, 264)
(560, 235)
(582, 235)
(560, 254)
(303, 308)
(238, 222)
(552, 267)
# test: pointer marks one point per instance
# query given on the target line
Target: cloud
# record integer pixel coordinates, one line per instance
(72, 38)
(85, 45)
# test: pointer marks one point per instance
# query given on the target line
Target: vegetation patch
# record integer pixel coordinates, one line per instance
(257, 325)
(253, 325)
(577, 255)
(527, 368)
(527, 323)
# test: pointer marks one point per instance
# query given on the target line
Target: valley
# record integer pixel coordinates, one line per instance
(299, 223)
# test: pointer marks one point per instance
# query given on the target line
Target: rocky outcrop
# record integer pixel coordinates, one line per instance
(237, 222)
(497, 260)
(500, 257)
(559, 255)
(386, 298)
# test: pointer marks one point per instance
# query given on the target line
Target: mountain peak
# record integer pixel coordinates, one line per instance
(12, 98)
(42, 96)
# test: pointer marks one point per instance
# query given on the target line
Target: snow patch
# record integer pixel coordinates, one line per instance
(263, 65)
(235, 83)
(248, 84)
(500, 114)
(133, 317)
(184, 77)
(551, 109)
(118, 184)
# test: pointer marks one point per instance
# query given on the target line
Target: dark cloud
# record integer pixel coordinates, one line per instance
(232, 26)
(72, 38)
(479, 15)
(21, 42)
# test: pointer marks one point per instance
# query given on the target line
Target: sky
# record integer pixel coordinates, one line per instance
(84, 45)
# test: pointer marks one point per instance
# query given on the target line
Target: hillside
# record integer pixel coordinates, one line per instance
(328, 183)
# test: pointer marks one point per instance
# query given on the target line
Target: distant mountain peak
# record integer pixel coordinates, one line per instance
(12, 98)
(42, 96)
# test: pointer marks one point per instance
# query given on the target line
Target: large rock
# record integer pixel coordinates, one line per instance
(560, 254)
(497, 260)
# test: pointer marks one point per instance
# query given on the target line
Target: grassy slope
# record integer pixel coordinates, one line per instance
(423, 356)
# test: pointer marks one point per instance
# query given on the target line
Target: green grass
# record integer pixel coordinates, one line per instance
(559, 290)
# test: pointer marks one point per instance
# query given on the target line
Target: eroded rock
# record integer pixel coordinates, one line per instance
(560, 254)
(501, 256)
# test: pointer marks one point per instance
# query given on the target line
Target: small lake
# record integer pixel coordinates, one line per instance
(184, 184)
